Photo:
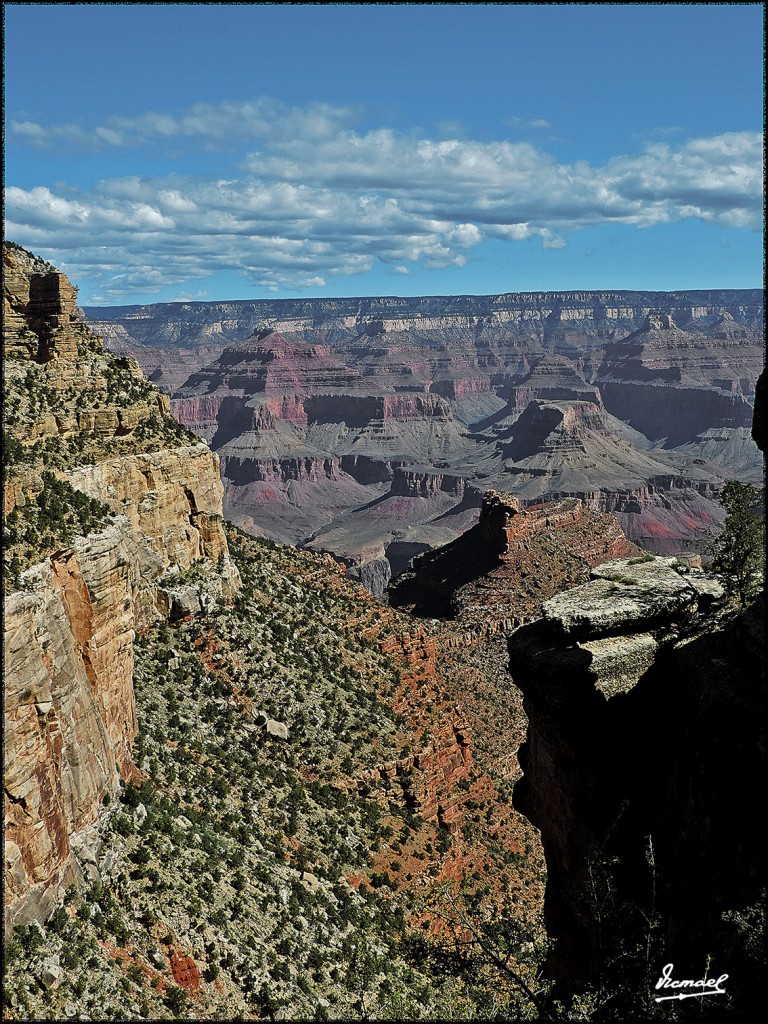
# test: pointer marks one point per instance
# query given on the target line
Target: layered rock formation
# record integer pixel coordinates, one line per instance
(40, 318)
(303, 438)
(637, 403)
(87, 440)
(554, 316)
(645, 744)
(498, 574)
(69, 706)
(673, 385)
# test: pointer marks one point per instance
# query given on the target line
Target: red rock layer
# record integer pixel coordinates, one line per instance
(498, 574)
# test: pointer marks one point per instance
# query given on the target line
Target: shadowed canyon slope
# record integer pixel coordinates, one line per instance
(371, 427)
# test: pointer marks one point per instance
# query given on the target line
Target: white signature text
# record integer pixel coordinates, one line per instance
(705, 986)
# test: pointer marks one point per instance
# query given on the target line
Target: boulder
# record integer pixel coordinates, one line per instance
(623, 596)
(51, 973)
(277, 729)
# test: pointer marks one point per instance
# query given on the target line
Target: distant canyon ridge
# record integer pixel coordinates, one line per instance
(371, 427)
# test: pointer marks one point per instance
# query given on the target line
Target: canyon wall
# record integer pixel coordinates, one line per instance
(74, 600)
(69, 710)
(192, 323)
(638, 403)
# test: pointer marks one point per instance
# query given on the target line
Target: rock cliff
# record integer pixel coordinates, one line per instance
(69, 706)
(645, 700)
(554, 314)
(498, 574)
(106, 497)
(637, 403)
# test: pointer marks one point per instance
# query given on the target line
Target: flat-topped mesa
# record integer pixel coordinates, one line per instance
(674, 384)
(359, 410)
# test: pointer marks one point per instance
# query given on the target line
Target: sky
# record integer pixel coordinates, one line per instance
(177, 152)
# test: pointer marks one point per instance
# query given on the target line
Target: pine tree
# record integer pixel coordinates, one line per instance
(739, 550)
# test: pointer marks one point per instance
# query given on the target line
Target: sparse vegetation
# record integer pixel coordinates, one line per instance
(51, 521)
(243, 851)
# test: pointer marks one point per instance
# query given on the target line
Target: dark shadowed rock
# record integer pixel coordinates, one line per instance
(374, 575)
(644, 769)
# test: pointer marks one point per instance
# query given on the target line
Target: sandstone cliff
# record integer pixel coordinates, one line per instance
(106, 498)
(69, 706)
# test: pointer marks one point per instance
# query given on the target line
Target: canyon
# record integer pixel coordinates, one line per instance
(370, 428)
(236, 783)
(174, 688)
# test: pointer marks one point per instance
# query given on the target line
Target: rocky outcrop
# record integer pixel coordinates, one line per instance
(171, 497)
(641, 765)
(40, 316)
(758, 428)
(373, 575)
(498, 574)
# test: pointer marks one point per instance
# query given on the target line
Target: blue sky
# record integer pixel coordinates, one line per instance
(221, 151)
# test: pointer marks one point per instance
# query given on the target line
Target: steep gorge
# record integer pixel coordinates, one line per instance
(637, 403)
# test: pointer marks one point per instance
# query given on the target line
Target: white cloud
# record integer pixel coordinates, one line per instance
(217, 125)
(523, 122)
(318, 199)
